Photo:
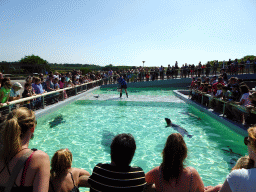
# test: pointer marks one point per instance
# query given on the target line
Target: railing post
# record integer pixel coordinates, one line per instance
(76, 90)
(10, 108)
(43, 102)
(202, 101)
(224, 106)
(63, 95)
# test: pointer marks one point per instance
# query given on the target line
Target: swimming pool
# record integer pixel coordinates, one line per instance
(86, 127)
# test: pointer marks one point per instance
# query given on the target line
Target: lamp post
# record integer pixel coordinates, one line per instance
(143, 63)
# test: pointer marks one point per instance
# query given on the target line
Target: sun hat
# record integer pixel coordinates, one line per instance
(17, 84)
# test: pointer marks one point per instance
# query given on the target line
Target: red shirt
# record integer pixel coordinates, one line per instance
(214, 86)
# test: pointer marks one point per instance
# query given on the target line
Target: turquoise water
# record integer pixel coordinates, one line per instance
(88, 126)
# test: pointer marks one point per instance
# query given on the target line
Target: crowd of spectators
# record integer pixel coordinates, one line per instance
(185, 71)
(37, 85)
(25, 169)
(232, 97)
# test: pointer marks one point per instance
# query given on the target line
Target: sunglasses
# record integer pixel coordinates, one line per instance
(246, 140)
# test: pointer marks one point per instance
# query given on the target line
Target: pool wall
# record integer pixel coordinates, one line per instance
(159, 83)
(232, 125)
(52, 108)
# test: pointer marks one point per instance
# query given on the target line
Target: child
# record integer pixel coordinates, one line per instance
(28, 93)
(219, 92)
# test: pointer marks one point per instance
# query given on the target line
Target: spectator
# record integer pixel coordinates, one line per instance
(242, 66)
(254, 65)
(28, 93)
(242, 163)
(214, 86)
(62, 83)
(172, 173)
(229, 63)
(243, 179)
(5, 92)
(56, 84)
(118, 175)
(49, 84)
(15, 93)
(17, 131)
(1, 78)
(248, 63)
(237, 110)
(38, 87)
(63, 176)
(235, 65)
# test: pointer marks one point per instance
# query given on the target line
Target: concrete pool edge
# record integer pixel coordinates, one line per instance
(49, 109)
(232, 125)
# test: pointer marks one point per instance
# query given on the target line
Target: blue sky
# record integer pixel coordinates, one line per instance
(127, 32)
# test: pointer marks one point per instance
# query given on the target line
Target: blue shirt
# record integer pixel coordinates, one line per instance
(38, 88)
(121, 81)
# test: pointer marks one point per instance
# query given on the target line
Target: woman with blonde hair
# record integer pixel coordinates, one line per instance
(63, 177)
(244, 179)
(172, 175)
(21, 168)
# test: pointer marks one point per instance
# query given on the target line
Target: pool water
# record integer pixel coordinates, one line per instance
(86, 127)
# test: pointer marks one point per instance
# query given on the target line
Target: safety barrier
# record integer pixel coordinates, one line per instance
(45, 99)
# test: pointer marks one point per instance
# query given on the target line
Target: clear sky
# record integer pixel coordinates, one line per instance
(127, 32)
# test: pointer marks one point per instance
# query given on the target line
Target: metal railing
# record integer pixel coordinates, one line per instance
(184, 73)
(205, 99)
(45, 99)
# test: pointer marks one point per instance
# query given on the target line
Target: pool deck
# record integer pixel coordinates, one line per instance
(142, 98)
(239, 128)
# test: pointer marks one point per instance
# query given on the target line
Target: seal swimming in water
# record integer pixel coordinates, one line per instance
(56, 121)
(181, 130)
(107, 138)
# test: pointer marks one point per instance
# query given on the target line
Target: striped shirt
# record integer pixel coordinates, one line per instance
(106, 177)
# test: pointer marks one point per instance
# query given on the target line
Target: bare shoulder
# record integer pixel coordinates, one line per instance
(194, 172)
(42, 154)
(41, 157)
(79, 172)
(198, 183)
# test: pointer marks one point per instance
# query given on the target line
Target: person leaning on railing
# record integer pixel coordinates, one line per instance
(28, 93)
(5, 92)
(38, 88)
(15, 92)
(251, 118)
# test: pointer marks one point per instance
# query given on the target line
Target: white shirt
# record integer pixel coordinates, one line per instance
(242, 180)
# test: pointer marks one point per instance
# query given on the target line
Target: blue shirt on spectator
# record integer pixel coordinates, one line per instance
(38, 88)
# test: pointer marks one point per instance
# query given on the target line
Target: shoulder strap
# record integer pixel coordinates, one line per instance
(19, 165)
(72, 178)
(191, 179)
(24, 172)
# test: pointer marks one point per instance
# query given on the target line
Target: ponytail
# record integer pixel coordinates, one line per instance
(11, 139)
(18, 122)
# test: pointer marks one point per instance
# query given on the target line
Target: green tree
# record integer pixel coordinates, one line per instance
(85, 70)
(34, 64)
